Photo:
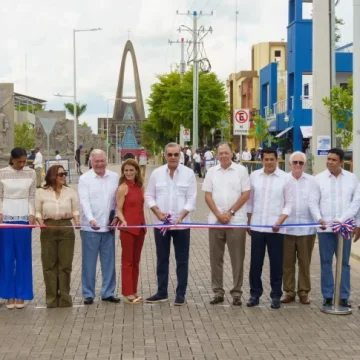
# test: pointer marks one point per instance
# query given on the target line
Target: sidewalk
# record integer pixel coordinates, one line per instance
(196, 331)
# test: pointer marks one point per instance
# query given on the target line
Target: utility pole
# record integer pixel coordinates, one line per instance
(356, 89)
(182, 72)
(197, 39)
(182, 42)
(332, 64)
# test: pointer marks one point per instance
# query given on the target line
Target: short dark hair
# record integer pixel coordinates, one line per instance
(339, 152)
(224, 143)
(268, 150)
(17, 153)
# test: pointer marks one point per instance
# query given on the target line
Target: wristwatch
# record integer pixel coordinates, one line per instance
(232, 212)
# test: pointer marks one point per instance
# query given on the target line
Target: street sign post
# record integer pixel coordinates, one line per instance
(186, 134)
(241, 124)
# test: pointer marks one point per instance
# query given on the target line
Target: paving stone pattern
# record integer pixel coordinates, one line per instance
(196, 331)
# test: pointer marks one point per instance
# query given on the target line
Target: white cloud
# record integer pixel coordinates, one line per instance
(43, 31)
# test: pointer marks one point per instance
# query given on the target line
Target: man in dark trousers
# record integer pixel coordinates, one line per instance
(77, 159)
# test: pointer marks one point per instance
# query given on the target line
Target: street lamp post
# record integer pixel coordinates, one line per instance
(74, 96)
(107, 125)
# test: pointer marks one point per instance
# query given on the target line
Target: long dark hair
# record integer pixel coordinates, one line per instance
(51, 176)
(17, 153)
(138, 178)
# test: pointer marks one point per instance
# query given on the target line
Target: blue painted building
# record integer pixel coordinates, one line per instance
(288, 118)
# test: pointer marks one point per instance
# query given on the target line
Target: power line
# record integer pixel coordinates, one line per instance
(221, 1)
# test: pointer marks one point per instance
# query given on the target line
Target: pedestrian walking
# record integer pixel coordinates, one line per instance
(97, 192)
(227, 189)
(78, 159)
(56, 205)
(299, 241)
(337, 199)
(38, 166)
(197, 163)
(270, 204)
(17, 199)
(130, 211)
(171, 196)
(143, 160)
(57, 155)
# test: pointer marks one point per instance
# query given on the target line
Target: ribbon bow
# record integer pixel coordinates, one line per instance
(167, 221)
(345, 229)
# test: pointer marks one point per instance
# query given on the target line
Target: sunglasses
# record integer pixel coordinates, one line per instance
(298, 162)
(62, 174)
(172, 154)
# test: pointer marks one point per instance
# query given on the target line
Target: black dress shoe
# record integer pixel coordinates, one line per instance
(253, 301)
(88, 301)
(275, 304)
(217, 299)
(327, 302)
(112, 299)
(237, 301)
(345, 303)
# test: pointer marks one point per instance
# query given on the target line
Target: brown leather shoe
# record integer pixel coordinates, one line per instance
(304, 299)
(287, 299)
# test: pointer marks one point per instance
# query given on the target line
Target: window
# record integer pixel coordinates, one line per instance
(306, 90)
(344, 85)
(277, 53)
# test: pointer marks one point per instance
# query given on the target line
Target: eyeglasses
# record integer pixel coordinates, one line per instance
(298, 162)
(172, 154)
(62, 174)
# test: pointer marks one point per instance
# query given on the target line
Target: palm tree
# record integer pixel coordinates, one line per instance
(80, 108)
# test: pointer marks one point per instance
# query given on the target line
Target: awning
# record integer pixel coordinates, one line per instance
(306, 131)
(284, 132)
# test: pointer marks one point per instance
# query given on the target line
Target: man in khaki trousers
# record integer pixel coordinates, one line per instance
(227, 189)
(298, 241)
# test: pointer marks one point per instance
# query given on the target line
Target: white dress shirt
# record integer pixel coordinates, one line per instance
(226, 186)
(208, 155)
(97, 198)
(197, 158)
(336, 198)
(58, 157)
(303, 189)
(182, 157)
(38, 160)
(270, 197)
(172, 195)
(246, 156)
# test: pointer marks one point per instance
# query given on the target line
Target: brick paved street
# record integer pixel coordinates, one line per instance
(195, 331)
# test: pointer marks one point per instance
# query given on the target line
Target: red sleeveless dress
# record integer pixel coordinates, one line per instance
(133, 208)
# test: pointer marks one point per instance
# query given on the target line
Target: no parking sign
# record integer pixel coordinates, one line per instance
(241, 121)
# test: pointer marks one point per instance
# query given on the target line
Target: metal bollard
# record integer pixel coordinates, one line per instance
(336, 309)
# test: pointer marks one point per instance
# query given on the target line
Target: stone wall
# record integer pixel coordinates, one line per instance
(6, 119)
(62, 135)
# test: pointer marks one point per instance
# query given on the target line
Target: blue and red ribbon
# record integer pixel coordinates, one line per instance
(167, 221)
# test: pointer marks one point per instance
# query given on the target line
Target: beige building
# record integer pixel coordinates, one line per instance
(243, 87)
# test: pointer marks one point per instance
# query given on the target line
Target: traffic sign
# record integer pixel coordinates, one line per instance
(186, 134)
(241, 121)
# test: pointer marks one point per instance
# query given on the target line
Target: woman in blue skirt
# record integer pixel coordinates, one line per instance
(17, 206)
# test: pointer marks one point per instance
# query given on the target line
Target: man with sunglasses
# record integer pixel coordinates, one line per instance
(337, 199)
(299, 241)
(171, 196)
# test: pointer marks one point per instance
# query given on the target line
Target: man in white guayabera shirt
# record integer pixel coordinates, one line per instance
(337, 199)
(171, 191)
(270, 204)
(227, 189)
(299, 241)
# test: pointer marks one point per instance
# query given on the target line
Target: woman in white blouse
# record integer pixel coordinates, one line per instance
(17, 197)
(56, 205)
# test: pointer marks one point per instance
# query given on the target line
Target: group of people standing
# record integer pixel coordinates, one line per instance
(105, 202)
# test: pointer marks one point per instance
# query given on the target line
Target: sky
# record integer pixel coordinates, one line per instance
(37, 45)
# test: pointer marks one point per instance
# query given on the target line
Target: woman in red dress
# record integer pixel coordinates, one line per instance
(130, 211)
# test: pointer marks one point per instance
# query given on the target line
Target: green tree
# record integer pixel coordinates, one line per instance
(80, 108)
(340, 107)
(338, 22)
(84, 124)
(171, 105)
(24, 135)
(260, 130)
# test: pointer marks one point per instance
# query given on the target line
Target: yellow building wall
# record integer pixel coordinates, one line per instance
(282, 62)
(256, 93)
